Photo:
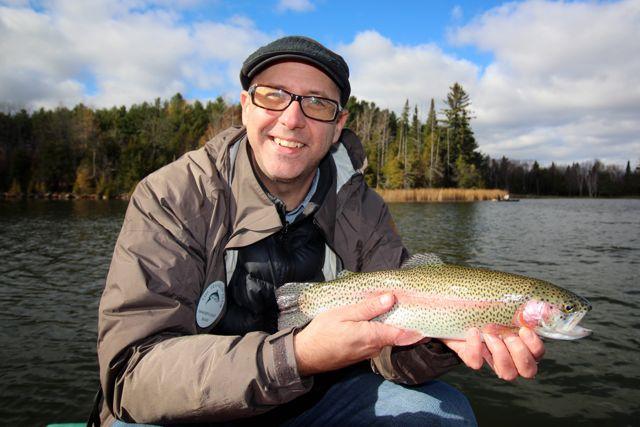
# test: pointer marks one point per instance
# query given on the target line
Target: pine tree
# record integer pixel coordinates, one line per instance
(431, 156)
(460, 141)
(403, 137)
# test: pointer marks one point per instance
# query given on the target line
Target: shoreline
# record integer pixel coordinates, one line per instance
(411, 195)
(439, 195)
(60, 196)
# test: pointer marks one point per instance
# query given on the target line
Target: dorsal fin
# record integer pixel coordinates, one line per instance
(344, 273)
(419, 260)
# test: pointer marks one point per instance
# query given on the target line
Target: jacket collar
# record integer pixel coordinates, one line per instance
(253, 215)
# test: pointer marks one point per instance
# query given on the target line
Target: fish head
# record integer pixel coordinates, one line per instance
(555, 318)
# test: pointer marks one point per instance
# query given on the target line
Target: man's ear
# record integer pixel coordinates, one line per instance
(244, 103)
(342, 120)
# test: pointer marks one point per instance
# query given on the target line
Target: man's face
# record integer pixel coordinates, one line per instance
(288, 146)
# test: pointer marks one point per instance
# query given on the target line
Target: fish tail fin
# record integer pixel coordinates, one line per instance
(288, 299)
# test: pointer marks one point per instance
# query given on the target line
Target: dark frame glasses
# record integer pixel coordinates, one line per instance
(313, 107)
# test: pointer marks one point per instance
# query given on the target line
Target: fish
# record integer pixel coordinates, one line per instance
(443, 300)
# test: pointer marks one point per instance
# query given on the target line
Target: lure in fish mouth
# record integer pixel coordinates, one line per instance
(555, 320)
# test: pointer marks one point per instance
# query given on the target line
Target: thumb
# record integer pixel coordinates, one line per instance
(369, 308)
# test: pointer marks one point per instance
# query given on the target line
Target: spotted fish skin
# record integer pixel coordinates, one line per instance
(440, 300)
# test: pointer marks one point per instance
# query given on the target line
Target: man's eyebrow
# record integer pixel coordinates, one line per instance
(312, 92)
(319, 93)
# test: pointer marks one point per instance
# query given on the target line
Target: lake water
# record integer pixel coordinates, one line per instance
(54, 258)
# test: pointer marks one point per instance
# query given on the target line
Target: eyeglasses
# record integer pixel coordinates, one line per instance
(314, 107)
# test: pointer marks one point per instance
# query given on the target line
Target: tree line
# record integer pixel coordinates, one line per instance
(105, 152)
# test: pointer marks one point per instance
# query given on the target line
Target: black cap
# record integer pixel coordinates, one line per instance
(301, 49)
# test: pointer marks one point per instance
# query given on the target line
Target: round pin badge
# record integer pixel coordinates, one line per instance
(210, 305)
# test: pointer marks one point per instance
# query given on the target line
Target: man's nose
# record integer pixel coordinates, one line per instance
(293, 117)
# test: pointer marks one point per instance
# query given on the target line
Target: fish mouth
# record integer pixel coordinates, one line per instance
(567, 329)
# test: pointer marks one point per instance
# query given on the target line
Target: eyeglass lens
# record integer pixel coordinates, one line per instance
(277, 99)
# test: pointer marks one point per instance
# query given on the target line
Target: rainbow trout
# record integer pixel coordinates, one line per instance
(444, 300)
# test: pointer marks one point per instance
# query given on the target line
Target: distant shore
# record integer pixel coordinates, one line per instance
(400, 195)
(61, 196)
(422, 195)
(417, 195)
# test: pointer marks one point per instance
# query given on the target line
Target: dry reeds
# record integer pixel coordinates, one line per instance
(440, 195)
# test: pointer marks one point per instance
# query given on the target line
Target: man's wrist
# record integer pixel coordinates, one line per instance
(304, 369)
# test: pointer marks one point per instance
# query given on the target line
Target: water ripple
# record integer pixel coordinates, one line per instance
(56, 255)
(589, 246)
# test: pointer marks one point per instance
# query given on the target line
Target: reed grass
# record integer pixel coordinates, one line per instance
(440, 195)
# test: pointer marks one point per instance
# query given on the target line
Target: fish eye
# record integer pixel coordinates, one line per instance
(569, 308)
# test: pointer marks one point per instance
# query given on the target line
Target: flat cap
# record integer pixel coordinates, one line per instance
(302, 49)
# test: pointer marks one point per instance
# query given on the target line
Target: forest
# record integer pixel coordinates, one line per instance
(105, 152)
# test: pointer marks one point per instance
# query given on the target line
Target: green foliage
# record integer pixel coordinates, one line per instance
(587, 179)
(104, 151)
(467, 175)
(84, 181)
(394, 173)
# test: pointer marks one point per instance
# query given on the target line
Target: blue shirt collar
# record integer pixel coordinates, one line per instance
(291, 215)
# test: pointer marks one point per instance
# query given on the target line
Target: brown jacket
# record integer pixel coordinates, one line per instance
(156, 364)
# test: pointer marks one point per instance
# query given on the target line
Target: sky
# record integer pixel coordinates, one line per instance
(548, 81)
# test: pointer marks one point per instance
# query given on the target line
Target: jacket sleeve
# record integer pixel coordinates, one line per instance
(414, 364)
(154, 367)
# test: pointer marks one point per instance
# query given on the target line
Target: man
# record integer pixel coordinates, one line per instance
(188, 320)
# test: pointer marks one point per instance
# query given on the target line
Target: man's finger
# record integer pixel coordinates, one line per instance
(390, 335)
(486, 355)
(408, 337)
(533, 342)
(521, 356)
(367, 309)
(502, 362)
(473, 349)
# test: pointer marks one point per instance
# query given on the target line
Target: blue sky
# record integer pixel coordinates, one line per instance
(333, 22)
(552, 81)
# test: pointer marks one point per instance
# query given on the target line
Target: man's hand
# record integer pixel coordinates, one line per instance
(345, 335)
(509, 357)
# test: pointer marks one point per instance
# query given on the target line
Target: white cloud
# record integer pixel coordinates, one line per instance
(457, 13)
(389, 74)
(126, 51)
(14, 3)
(564, 82)
(295, 5)
(34, 61)
(222, 47)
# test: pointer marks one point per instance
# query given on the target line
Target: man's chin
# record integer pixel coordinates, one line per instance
(285, 178)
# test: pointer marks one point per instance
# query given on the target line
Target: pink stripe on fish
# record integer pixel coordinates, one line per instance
(438, 301)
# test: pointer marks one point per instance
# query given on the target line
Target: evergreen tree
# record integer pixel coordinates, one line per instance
(467, 176)
(460, 141)
(431, 152)
(628, 179)
(535, 177)
(403, 137)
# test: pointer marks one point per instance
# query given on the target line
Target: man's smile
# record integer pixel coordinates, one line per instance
(288, 143)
